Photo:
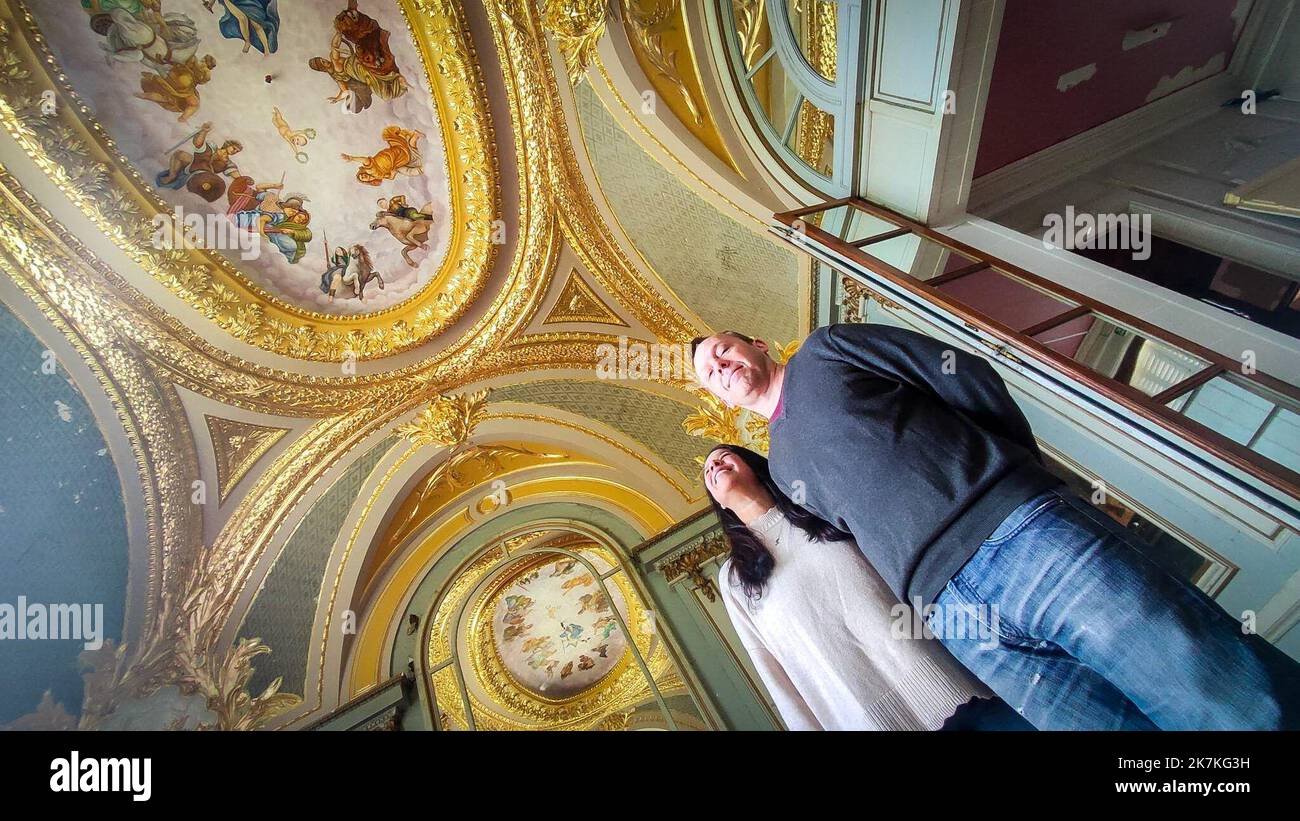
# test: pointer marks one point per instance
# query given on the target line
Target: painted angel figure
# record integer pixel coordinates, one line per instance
(256, 22)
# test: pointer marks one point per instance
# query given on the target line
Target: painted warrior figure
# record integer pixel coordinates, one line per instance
(398, 207)
(201, 171)
(139, 31)
(336, 275)
(178, 89)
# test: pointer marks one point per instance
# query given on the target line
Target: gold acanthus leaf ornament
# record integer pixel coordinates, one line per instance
(749, 27)
(714, 420)
(646, 26)
(577, 26)
(192, 657)
(448, 420)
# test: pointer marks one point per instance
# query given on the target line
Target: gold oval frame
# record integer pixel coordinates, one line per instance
(511, 706)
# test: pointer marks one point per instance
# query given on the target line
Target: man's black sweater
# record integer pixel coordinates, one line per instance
(911, 445)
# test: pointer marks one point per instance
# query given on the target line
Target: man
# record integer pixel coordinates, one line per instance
(336, 275)
(398, 207)
(920, 452)
(216, 161)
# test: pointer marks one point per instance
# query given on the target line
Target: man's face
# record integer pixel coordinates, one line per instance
(735, 371)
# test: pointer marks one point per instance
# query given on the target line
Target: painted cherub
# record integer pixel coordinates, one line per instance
(297, 139)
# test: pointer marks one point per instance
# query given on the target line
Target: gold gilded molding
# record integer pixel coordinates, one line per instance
(688, 564)
(237, 447)
(462, 471)
(148, 409)
(448, 422)
(816, 128)
(539, 118)
(852, 293)
(659, 36)
(814, 131)
(577, 302)
(78, 156)
(536, 419)
(577, 26)
(661, 41)
(700, 181)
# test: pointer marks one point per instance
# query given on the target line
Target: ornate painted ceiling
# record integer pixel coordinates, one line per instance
(283, 148)
(330, 281)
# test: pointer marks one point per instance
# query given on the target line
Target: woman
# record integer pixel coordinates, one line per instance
(834, 647)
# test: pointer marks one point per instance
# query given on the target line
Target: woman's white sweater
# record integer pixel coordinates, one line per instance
(833, 645)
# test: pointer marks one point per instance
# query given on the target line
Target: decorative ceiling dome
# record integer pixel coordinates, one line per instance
(554, 627)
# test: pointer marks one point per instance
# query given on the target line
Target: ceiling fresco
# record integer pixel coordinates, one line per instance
(302, 134)
(355, 157)
(526, 610)
(554, 627)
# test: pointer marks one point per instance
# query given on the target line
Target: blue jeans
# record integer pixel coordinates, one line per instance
(1076, 629)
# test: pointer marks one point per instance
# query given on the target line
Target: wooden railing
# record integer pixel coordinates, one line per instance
(1021, 314)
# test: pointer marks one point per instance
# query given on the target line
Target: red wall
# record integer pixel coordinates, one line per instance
(1043, 39)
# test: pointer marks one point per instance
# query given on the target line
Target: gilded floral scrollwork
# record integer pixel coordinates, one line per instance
(646, 28)
(448, 422)
(750, 15)
(193, 658)
(852, 293)
(577, 26)
(689, 563)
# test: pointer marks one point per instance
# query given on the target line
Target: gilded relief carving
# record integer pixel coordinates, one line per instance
(237, 446)
(143, 355)
(579, 303)
(852, 293)
(689, 562)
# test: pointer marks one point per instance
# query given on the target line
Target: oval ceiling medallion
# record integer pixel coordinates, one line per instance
(290, 168)
(554, 628)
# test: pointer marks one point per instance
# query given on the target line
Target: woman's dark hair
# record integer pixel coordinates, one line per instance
(751, 562)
